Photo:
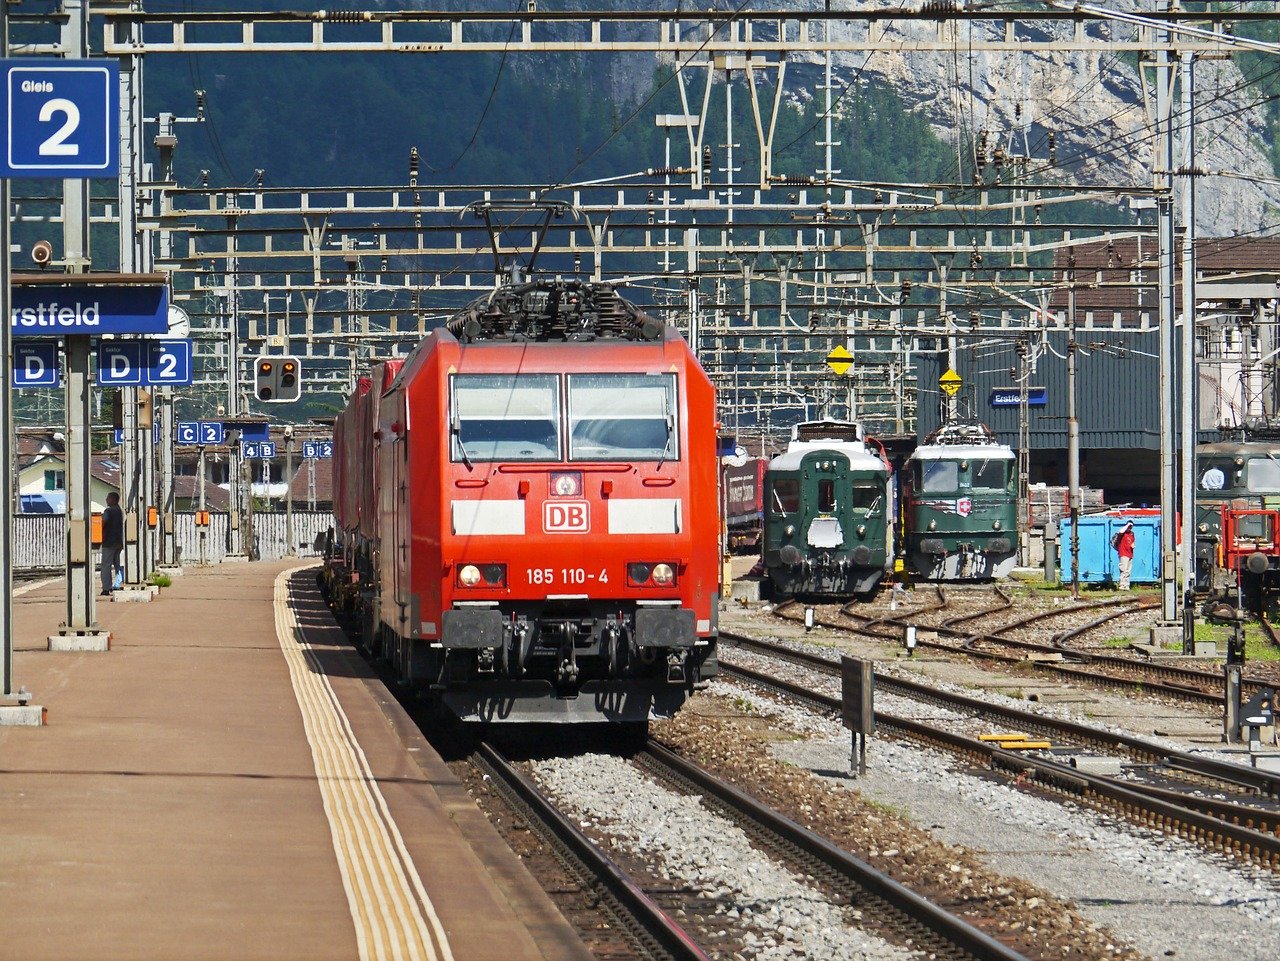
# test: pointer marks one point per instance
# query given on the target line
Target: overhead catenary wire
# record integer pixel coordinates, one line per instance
(643, 105)
(484, 113)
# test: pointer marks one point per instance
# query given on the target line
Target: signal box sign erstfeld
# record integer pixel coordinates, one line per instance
(61, 118)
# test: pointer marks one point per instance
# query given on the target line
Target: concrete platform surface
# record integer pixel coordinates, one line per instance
(231, 781)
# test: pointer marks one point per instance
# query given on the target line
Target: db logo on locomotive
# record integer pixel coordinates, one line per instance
(566, 517)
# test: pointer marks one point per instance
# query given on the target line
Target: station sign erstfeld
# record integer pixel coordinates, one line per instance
(57, 310)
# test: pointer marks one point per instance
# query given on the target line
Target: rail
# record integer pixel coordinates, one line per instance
(1233, 829)
(918, 911)
(661, 936)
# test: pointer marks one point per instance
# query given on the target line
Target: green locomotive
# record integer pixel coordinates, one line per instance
(961, 505)
(829, 509)
(1239, 473)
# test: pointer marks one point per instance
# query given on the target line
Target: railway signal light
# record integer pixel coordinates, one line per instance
(277, 380)
(290, 379)
(264, 379)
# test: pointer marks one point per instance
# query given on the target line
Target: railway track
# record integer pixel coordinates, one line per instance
(651, 930)
(928, 927)
(1106, 669)
(1232, 828)
(880, 901)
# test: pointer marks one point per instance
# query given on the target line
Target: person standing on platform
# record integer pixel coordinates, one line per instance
(1123, 543)
(112, 542)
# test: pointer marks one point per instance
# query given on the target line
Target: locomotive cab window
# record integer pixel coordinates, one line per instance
(868, 499)
(1264, 475)
(1216, 477)
(628, 417)
(939, 476)
(990, 474)
(505, 417)
(785, 496)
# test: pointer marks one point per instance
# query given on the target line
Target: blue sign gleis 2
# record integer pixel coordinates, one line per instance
(61, 118)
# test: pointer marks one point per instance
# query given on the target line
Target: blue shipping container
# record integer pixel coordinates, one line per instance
(1099, 562)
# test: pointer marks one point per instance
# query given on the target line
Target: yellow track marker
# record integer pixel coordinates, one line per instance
(1025, 745)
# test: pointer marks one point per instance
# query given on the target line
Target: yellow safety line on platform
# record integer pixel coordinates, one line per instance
(394, 918)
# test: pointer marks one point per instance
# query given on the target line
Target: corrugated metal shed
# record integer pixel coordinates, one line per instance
(1117, 396)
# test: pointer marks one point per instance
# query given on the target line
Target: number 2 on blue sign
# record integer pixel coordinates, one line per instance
(168, 366)
(56, 146)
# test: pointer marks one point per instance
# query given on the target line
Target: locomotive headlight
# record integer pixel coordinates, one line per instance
(566, 485)
(1203, 528)
(1239, 461)
(933, 525)
(996, 525)
(790, 530)
(469, 576)
(651, 575)
(862, 530)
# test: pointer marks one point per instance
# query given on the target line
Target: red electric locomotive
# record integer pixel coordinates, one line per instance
(547, 511)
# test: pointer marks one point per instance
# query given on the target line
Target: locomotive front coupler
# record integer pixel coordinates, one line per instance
(567, 671)
(676, 664)
(518, 642)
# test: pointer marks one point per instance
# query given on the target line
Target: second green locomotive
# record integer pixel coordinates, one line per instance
(828, 517)
(960, 494)
(1243, 474)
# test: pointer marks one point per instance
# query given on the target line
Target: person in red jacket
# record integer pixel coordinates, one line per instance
(1124, 547)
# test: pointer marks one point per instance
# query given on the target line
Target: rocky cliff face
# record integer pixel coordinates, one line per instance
(1094, 105)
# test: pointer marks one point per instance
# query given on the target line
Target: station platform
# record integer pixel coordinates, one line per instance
(231, 780)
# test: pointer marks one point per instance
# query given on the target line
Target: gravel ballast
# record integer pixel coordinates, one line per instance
(784, 918)
(1166, 897)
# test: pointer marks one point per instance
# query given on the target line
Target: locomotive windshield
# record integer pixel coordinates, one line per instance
(939, 476)
(509, 417)
(990, 474)
(622, 417)
(785, 498)
(1214, 476)
(868, 498)
(1264, 475)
